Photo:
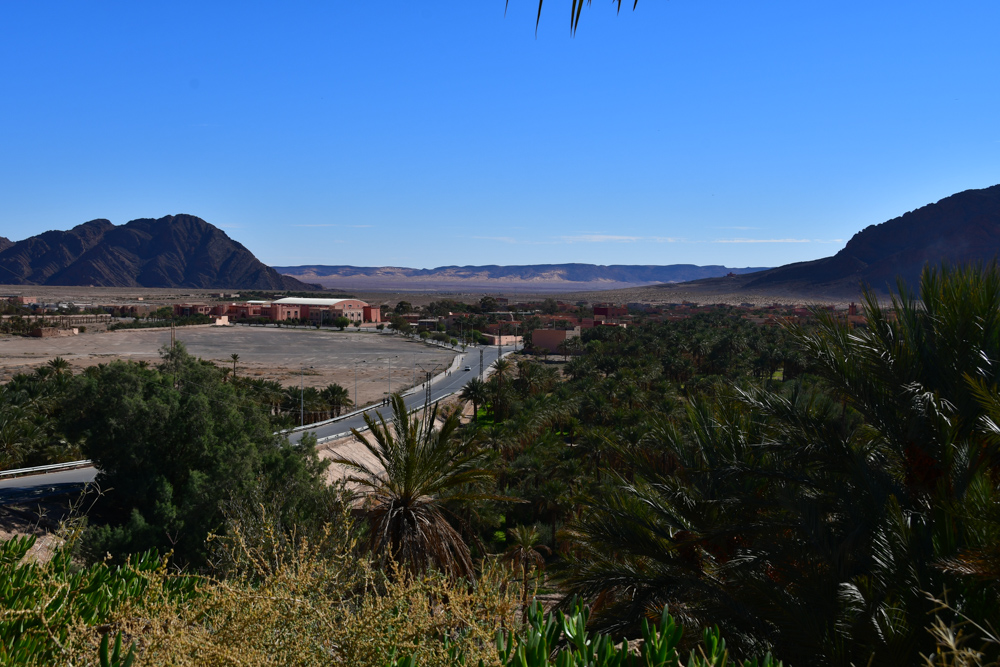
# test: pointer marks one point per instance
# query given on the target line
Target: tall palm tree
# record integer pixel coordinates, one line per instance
(500, 385)
(475, 391)
(525, 554)
(418, 470)
(235, 357)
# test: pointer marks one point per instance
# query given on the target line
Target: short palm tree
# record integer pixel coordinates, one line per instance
(337, 398)
(59, 366)
(418, 469)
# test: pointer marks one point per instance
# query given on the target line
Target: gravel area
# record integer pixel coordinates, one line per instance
(316, 358)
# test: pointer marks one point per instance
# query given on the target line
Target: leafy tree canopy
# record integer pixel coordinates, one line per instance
(172, 445)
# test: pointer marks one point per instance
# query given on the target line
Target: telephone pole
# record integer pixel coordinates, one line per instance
(428, 373)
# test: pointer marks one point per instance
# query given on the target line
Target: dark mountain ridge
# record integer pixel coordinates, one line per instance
(173, 251)
(964, 227)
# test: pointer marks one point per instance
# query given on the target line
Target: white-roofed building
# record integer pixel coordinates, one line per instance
(326, 310)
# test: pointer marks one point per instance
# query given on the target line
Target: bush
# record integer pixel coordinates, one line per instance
(173, 444)
(47, 610)
(313, 601)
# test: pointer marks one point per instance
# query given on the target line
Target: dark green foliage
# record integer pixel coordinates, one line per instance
(815, 518)
(29, 432)
(172, 444)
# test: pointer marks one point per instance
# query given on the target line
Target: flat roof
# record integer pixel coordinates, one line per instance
(300, 301)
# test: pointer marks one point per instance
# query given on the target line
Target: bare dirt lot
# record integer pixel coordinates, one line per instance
(722, 290)
(316, 358)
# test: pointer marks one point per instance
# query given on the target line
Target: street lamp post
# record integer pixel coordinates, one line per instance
(356, 381)
(302, 396)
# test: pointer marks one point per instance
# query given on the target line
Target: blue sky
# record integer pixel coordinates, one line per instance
(433, 133)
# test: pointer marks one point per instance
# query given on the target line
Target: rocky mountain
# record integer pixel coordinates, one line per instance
(964, 227)
(535, 277)
(5, 243)
(174, 251)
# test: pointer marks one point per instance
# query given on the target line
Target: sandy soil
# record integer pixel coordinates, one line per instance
(316, 358)
(721, 290)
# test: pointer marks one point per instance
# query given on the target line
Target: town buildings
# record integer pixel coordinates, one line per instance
(319, 311)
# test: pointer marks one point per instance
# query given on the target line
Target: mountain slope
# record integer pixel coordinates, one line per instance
(542, 277)
(5, 243)
(964, 227)
(174, 251)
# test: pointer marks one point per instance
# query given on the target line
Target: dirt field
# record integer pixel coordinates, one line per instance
(286, 355)
(705, 292)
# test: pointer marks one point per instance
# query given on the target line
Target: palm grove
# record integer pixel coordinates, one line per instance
(844, 513)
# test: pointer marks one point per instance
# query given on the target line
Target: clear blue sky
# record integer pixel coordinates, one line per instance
(430, 133)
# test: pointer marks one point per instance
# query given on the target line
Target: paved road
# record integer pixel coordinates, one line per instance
(32, 487)
(28, 488)
(442, 387)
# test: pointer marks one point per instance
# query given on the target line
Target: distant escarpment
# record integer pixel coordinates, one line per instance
(528, 278)
(174, 251)
(964, 227)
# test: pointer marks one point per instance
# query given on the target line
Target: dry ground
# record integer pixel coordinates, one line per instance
(289, 356)
(714, 292)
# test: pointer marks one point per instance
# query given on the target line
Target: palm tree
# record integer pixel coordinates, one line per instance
(235, 357)
(499, 383)
(475, 391)
(59, 366)
(816, 520)
(337, 398)
(417, 471)
(525, 555)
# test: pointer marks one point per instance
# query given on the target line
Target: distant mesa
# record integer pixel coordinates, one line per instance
(174, 251)
(528, 278)
(964, 227)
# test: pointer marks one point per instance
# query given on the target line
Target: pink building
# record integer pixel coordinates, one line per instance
(326, 310)
(290, 308)
(550, 339)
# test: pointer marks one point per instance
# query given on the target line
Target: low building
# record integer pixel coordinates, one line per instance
(319, 311)
(502, 340)
(21, 300)
(550, 339)
(609, 311)
(188, 309)
(326, 310)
